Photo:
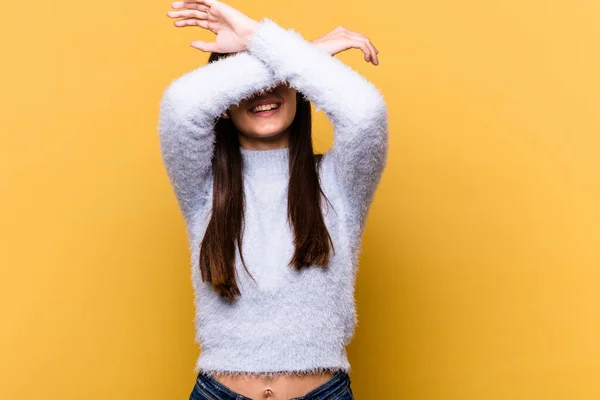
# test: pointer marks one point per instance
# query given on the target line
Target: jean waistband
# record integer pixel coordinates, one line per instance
(328, 389)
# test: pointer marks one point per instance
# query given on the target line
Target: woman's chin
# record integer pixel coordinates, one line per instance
(267, 130)
(267, 133)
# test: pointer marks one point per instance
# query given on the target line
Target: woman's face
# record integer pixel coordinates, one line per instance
(267, 114)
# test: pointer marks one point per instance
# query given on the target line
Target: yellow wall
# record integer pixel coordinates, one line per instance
(479, 275)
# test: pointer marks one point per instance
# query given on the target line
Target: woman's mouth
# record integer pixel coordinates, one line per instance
(265, 110)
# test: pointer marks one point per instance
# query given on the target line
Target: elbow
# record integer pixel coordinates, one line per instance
(171, 98)
(178, 96)
(378, 106)
(368, 108)
(168, 102)
(379, 110)
(168, 115)
(374, 125)
(182, 103)
(172, 115)
(175, 107)
(374, 114)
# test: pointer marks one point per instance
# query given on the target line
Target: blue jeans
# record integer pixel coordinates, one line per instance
(336, 388)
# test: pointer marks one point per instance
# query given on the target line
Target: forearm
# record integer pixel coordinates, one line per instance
(355, 107)
(346, 96)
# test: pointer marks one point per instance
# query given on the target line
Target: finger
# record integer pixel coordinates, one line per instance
(188, 14)
(374, 48)
(374, 58)
(371, 49)
(360, 35)
(365, 49)
(204, 46)
(202, 23)
(185, 3)
(371, 45)
(194, 6)
(358, 42)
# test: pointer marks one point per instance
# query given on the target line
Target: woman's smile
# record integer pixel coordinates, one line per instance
(265, 110)
(266, 106)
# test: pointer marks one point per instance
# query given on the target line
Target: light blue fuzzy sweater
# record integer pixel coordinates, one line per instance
(287, 321)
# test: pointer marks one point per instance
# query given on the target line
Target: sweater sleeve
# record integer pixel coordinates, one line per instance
(189, 108)
(355, 107)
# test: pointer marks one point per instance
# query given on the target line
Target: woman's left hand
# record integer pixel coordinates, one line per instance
(341, 39)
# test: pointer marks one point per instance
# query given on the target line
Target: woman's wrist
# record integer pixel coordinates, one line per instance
(249, 31)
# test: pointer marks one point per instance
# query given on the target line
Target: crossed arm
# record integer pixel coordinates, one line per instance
(271, 54)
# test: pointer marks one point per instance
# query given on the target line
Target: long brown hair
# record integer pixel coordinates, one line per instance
(311, 237)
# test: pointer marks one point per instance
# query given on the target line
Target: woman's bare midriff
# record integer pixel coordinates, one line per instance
(282, 387)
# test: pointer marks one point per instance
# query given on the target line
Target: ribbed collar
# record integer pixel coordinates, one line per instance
(266, 162)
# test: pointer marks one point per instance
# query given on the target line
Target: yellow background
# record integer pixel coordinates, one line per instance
(479, 276)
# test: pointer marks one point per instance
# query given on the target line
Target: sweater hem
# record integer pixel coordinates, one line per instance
(211, 362)
(271, 374)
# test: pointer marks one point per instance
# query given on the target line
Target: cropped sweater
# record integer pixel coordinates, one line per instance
(288, 321)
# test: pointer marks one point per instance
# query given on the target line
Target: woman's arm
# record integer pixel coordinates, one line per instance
(188, 111)
(355, 107)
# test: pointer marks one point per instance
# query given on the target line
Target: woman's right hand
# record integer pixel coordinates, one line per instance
(232, 27)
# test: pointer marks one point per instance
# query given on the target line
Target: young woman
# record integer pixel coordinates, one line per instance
(274, 229)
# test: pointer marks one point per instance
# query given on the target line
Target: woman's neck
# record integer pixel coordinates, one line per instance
(264, 163)
(278, 141)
